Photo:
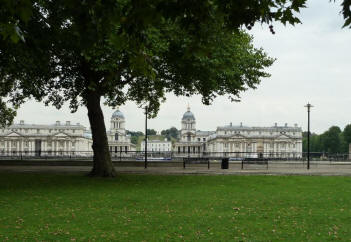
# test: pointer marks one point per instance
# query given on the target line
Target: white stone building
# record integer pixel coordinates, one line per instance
(118, 140)
(157, 145)
(244, 141)
(50, 140)
(191, 141)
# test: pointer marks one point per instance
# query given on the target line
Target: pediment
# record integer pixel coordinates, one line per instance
(14, 134)
(61, 134)
(280, 136)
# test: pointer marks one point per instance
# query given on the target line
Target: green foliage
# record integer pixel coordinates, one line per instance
(151, 132)
(12, 14)
(346, 11)
(135, 136)
(347, 133)
(332, 141)
(6, 114)
(160, 208)
(170, 133)
(136, 51)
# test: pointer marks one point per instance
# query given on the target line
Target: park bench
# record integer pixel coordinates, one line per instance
(196, 160)
(254, 161)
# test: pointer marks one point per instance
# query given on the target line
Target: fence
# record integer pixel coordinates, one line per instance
(171, 155)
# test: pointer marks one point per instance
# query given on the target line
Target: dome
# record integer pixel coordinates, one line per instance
(188, 115)
(118, 114)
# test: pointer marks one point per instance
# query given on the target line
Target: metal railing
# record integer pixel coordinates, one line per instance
(173, 155)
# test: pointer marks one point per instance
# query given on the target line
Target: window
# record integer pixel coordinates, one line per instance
(38, 131)
(116, 136)
(204, 139)
(73, 144)
(198, 139)
(237, 145)
(73, 131)
(189, 138)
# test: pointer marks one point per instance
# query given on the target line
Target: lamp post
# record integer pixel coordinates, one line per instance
(145, 163)
(308, 106)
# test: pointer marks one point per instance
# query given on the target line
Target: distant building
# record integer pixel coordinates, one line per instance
(157, 145)
(36, 140)
(118, 140)
(191, 140)
(275, 141)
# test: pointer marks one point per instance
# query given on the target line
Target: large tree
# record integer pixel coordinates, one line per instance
(82, 51)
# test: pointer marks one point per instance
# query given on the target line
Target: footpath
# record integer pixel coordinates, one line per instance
(234, 169)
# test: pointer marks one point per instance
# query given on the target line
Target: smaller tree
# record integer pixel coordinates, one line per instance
(151, 132)
(331, 140)
(347, 134)
(135, 136)
(170, 133)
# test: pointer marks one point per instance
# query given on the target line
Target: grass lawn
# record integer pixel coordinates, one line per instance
(158, 208)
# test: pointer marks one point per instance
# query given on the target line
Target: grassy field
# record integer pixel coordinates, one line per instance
(175, 208)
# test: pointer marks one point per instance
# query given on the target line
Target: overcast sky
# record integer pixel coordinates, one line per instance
(313, 65)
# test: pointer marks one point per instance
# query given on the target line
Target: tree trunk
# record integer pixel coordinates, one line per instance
(103, 166)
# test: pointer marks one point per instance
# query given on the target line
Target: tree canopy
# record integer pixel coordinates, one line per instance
(82, 51)
(170, 133)
(331, 141)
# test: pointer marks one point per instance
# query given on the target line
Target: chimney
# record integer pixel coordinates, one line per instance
(275, 124)
(231, 124)
(286, 124)
(241, 124)
(68, 123)
(21, 122)
(57, 123)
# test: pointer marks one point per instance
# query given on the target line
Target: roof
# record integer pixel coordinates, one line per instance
(204, 133)
(188, 115)
(118, 114)
(45, 126)
(255, 136)
(273, 128)
(157, 141)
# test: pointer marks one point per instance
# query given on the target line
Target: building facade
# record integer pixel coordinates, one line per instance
(157, 145)
(192, 141)
(239, 141)
(66, 139)
(50, 140)
(118, 140)
(244, 141)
